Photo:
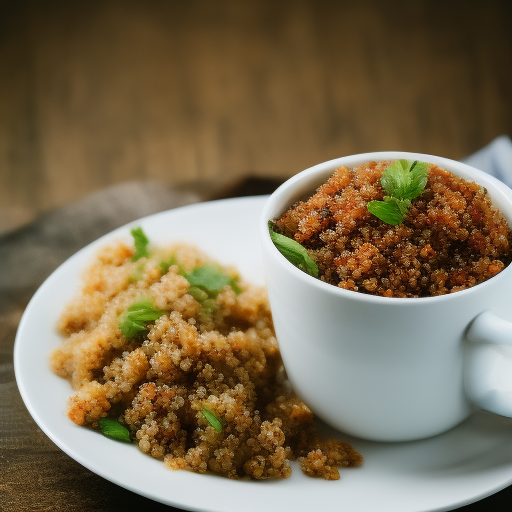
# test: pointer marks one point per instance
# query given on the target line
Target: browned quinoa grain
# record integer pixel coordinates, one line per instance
(451, 239)
(224, 359)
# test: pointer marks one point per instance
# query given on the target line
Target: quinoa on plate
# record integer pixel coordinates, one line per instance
(179, 354)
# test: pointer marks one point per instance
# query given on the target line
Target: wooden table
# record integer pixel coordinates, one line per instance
(200, 96)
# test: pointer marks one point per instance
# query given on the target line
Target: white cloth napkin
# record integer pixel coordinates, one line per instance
(495, 159)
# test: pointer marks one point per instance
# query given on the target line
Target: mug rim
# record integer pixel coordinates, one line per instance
(289, 192)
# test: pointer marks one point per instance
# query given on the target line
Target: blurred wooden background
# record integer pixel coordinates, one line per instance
(94, 93)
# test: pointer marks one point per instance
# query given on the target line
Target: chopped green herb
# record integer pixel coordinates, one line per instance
(212, 419)
(235, 286)
(137, 274)
(199, 294)
(166, 264)
(141, 242)
(134, 321)
(114, 430)
(389, 210)
(293, 252)
(211, 279)
(403, 181)
(209, 306)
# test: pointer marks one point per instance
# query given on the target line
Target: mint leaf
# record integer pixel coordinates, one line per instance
(206, 282)
(137, 274)
(211, 279)
(402, 204)
(166, 264)
(293, 252)
(419, 175)
(210, 306)
(114, 430)
(396, 178)
(387, 211)
(403, 181)
(141, 243)
(198, 293)
(212, 419)
(134, 321)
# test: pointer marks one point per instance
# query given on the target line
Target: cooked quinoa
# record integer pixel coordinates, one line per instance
(452, 238)
(216, 354)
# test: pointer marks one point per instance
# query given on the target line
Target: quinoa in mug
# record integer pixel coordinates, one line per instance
(450, 237)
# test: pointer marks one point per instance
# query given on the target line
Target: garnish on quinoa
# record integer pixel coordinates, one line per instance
(167, 263)
(114, 430)
(137, 274)
(134, 321)
(141, 243)
(434, 233)
(212, 419)
(293, 252)
(211, 279)
(197, 378)
(403, 181)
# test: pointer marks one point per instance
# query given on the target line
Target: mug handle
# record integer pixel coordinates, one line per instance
(488, 365)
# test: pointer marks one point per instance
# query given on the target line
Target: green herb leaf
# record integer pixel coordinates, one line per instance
(134, 321)
(114, 430)
(293, 252)
(210, 306)
(235, 286)
(395, 178)
(166, 264)
(211, 279)
(198, 293)
(387, 211)
(212, 419)
(419, 176)
(403, 181)
(137, 274)
(141, 242)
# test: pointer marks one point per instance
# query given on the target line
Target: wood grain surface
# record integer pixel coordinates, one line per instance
(98, 92)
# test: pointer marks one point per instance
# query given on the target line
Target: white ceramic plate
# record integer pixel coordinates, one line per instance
(464, 465)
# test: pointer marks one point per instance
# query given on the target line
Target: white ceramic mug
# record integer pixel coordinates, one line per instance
(391, 369)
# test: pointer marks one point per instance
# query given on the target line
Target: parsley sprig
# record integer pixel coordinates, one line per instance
(165, 265)
(403, 181)
(293, 252)
(211, 279)
(206, 282)
(114, 430)
(212, 419)
(141, 243)
(135, 320)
